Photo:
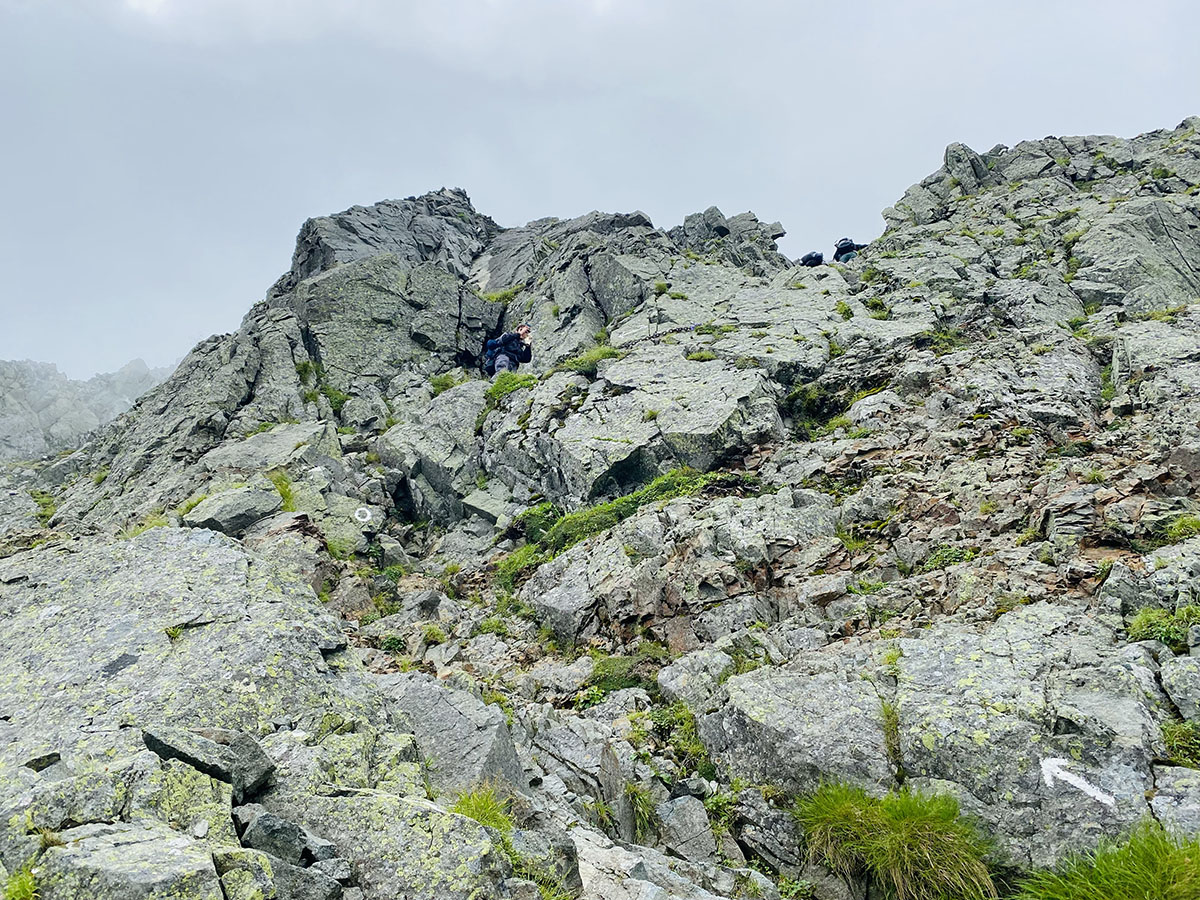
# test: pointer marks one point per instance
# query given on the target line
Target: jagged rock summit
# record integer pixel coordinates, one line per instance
(326, 614)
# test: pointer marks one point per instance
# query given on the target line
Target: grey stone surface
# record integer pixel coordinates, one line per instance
(127, 862)
(1176, 801)
(1181, 681)
(232, 512)
(231, 756)
(466, 741)
(685, 829)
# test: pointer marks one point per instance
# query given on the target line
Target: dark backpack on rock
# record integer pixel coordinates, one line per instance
(812, 259)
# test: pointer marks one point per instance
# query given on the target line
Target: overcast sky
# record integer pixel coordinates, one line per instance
(158, 156)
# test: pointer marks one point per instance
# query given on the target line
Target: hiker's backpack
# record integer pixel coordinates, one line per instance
(844, 244)
(812, 259)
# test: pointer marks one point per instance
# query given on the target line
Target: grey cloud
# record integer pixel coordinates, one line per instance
(166, 155)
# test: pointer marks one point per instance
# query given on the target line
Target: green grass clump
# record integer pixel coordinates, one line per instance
(485, 806)
(677, 726)
(337, 399)
(307, 370)
(914, 845)
(283, 485)
(1148, 865)
(508, 383)
(941, 340)
(492, 625)
(1183, 742)
(442, 383)
(339, 548)
(394, 573)
(21, 886)
(549, 533)
(505, 296)
(153, 520)
(588, 362)
(46, 505)
(1171, 628)
(645, 817)
(433, 635)
(100, 475)
(575, 527)
(701, 356)
(516, 566)
(1181, 528)
(537, 520)
(844, 310)
(945, 555)
(189, 504)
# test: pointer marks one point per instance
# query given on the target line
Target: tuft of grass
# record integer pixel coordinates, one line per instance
(339, 548)
(677, 725)
(46, 505)
(1170, 628)
(844, 310)
(337, 399)
(701, 356)
(433, 635)
(100, 475)
(21, 885)
(283, 485)
(863, 586)
(1181, 528)
(442, 383)
(492, 625)
(189, 504)
(915, 845)
(1149, 863)
(645, 818)
(588, 362)
(153, 520)
(577, 526)
(394, 573)
(536, 521)
(485, 805)
(518, 565)
(851, 541)
(1183, 742)
(505, 296)
(307, 370)
(508, 383)
(941, 340)
(946, 555)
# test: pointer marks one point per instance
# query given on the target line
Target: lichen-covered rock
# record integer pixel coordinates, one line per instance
(1176, 800)
(232, 512)
(1041, 726)
(127, 862)
(177, 626)
(797, 729)
(685, 829)
(404, 847)
(466, 741)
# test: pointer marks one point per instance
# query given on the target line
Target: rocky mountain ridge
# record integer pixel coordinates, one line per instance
(326, 614)
(42, 411)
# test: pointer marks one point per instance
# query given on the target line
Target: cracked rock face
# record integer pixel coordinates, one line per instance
(273, 626)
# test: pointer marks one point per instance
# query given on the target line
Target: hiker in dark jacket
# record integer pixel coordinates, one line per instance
(507, 352)
(846, 249)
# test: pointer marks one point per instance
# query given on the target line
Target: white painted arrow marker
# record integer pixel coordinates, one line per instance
(1055, 768)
